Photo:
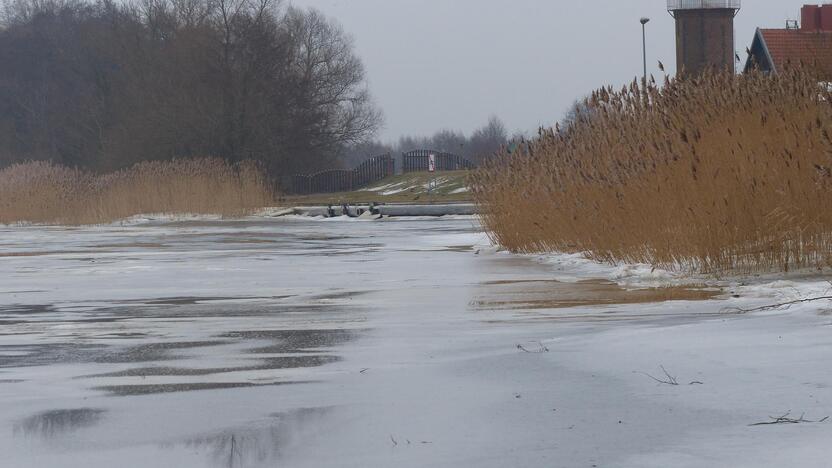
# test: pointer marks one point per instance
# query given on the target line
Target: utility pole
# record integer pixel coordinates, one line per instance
(644, 22)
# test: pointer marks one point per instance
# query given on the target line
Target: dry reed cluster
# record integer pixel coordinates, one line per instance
(717, 173)
(42, 192)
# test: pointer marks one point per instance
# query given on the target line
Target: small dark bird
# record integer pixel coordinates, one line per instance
(661, 65)
(738, 57)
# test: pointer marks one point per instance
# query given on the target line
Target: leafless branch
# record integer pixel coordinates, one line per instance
(777, 306)
(542, 349)
(785, 419)
(668, 380)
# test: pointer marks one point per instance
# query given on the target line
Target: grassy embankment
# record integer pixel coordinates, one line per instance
(406, 188)
(726, 174)
(45, 193)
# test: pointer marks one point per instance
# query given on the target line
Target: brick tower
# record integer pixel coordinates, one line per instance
(704, 34)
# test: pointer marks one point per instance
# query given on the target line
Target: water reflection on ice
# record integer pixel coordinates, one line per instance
(56, 423)
(261, 444)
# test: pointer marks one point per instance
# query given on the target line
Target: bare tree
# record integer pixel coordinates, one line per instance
(487, 140)
(578, 110)
(107, 84)
(354, 154)
(329, 99)
(483, 142)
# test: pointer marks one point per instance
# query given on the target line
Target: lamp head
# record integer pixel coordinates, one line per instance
(645, 20)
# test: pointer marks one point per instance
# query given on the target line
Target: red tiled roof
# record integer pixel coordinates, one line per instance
(808, 48)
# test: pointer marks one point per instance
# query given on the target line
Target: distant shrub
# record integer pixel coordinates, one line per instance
(717, 173)
(42, 192)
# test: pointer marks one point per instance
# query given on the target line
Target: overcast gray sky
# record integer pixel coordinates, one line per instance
(437, 64)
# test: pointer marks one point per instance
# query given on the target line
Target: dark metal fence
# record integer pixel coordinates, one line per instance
(371, 170)
(297, 184)
(374, 169)
(337, 180)
(418, 161)
(340, 180)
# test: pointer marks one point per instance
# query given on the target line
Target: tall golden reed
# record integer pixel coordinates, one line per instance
(717, 173)
(42, 192)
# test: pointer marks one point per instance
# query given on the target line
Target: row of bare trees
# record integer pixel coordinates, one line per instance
(104, 84)
(481, 144)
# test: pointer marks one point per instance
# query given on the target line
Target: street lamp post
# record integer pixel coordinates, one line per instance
(644, 22)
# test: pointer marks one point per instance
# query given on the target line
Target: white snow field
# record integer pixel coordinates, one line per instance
(309, 343)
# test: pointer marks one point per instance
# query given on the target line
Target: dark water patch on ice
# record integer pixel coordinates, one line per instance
(202, 311)
(199, 307)
(302, 413)
(459, 248)
(151, 352)
(11, 381)
(191, 300)
(335, 295)
(613, 317)
(151, 389)
(281, 362)
(244, 240)
(12, 322)
(439, 248)
(120, 335)
(295, 341)
(298, 362)
(340, 251)
(55, 423)
(27, 309)
(63, 353)
(46, 354)
(324, 238)
(128, 245)
(44, 253)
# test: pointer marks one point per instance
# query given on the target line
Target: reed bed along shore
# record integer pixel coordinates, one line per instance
(46, 193)
(718, 173)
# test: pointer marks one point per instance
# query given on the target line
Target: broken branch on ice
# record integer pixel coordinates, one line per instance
(777, 306)
(785, 419)
(542, 349)
(668, 380)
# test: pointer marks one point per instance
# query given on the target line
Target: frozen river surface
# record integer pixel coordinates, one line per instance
(311, 343)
